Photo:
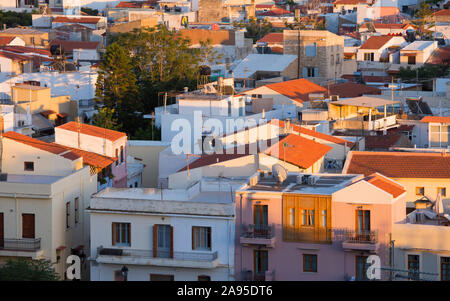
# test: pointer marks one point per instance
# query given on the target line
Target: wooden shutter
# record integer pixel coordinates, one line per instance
(113, 234)
(155, 240)
(171, 242)
(193, 238)
(28, 230)
(1, 230)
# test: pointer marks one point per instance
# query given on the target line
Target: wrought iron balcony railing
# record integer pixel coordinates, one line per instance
(20, 244)
(258, 231)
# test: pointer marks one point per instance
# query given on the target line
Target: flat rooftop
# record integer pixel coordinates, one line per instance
(326, 184)
(30, 179)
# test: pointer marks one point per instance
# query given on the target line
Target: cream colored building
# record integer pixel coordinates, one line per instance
(321, 53)
(43, 194)
(32, 37)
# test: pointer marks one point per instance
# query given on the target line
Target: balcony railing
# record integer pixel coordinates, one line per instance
(20, 244)
(258, 231)
(249, 275)
(187, 256)
(353, 236)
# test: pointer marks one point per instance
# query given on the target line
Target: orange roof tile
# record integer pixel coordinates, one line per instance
(442, 12)
(90, 158)
(302, 130)
(300, 151)
(436, 119)
(93, 20)
(387, 26)
(375, 42)
(48, 147)
(6, 40)
(92, 130)
(399, 164)
(344, 2)
(276, 11)
(71, 45)
(273, 37)
(297, 89)
(14, 56)
(385, 184)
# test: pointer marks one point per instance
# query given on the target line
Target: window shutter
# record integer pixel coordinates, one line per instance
(129, 234)
(171, 242)
(155, 241)
(113, 232)
(193, 238)
(305, 72)
(316, 72)
(210, 241)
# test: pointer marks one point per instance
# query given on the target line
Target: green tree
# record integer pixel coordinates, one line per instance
(105, 118)
(117, 91)
(13, 19)
(24, 269)
(90, 11)
(424, 74)
(424, 21)
(256, 28)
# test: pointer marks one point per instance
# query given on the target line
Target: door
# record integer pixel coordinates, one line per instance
(28, 230)
(1, 230)
(260, 219)
(163, 242)
(261, 264)
(363, 225)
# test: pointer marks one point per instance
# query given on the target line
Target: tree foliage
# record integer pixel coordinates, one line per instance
(424, 21)
(137, 66)
(24, 269)
(13, 19)
(424, 74)
(256, 28)
(90, 11)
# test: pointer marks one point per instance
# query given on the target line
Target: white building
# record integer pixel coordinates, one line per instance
(168, 234)
(417, 53)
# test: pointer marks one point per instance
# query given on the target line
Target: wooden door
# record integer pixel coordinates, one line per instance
(28, 230)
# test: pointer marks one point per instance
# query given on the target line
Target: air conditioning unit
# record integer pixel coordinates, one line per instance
(312, 180)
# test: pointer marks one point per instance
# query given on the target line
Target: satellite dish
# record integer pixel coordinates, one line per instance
(279, 172)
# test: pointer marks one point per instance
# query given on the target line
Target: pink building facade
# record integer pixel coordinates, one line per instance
(319, 229)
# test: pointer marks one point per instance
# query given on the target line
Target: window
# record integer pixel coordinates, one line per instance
(363, 221)
(261, 219)
(411, 60)
(163, 241)
(310, 50)
(439, 135)
(201, 238)
(261, 264)
(309, 263)
(77, 210)
(28, 225)
(413, 267)
(361, 267)
(292, 217)
(121, 233)
(332, 59)
(121, 155)
(67, 215)
(204, 278)
(28, 166)
(420, 191)
(445, 268)
(442, 191)
(369, 56)
(117, 156)
(307, 217)
(323, 218)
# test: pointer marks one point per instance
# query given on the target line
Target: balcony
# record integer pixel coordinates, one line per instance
(249, 275)
(357, 240)
(263, 235)
(201, 260)
(21, 247)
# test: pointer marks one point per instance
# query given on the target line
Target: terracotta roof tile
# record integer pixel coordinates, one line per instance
(297, 89)
(301, 151)
(93, 20)
(375, 42)
(350, 2)
(399, 164)
(273, 37)
(347, 90)
(275, 12)
(6, 40)
(48, 147)
(387, 26)
(437, 119)
(382, 141)
(90, 158)
(25, 49)
(385, 184)
(302, 130)
(14, 56)
(92, 130)
(442, 12)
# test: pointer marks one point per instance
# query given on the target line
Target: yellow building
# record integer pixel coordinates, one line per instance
(31, 37)
(43, 194)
